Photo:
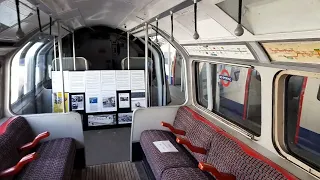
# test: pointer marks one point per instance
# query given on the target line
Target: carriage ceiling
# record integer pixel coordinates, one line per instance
(217, 19)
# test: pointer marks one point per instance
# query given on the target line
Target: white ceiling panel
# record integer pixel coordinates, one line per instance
(57, 6)
(109, 13)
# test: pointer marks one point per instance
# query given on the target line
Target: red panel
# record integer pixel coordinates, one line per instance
(35, 141)
(244, 147)
(304, 84)
(172, 129)
(192, 148)
(4, 126)
(246, 95)
(218, 175)
(17, 168)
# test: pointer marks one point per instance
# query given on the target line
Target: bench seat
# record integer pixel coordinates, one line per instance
(55, 161)
(223, 154)
(159, 162)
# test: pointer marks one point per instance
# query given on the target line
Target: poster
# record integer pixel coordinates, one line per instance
(123, 80)
(66, 81)
(77, 82)
(137, 79)
(92, 81)
(109, 101)
(124, 118)
(108, 80)
(92, 103)
(138, 99)
(77, 102)
(101, 119)
(124, 100)
(57, 102)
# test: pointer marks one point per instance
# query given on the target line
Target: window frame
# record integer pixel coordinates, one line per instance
(279, 130)
(1, 85)
(224, 120)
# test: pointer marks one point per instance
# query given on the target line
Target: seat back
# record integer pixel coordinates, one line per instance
(14, 133)
(199, 134)
(19, 131)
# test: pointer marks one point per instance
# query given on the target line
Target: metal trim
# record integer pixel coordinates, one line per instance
(226, 122)
(279, 118)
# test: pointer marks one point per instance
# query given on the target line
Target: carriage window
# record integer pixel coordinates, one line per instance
(236, 94)
(202, 96)
(302, 127)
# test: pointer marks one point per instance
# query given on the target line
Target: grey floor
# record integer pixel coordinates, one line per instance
(112, 171)
(107, 146)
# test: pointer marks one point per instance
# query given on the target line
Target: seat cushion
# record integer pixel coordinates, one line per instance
(161, 161)
(185, 174)
(55, 161)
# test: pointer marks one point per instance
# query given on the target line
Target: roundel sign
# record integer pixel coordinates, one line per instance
(225, 78)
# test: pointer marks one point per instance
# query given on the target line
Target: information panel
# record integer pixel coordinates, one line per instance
(298, 51)
(106, 97)
(221, 51)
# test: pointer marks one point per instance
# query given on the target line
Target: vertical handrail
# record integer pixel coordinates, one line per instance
(146, 38)
(74, 52)
(60, 63)
(55, 53)
(128, 47)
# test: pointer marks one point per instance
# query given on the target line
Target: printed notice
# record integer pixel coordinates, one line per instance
(66, 81)
(109, 101)
(137, 79)
(124, 100)
(56, 81)
(77, 82)
(165, 146)
(108, 80)
(123, 80)
(92, 81)
(92, 103)
(138, 99)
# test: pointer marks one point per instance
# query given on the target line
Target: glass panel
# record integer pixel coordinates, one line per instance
(202, 91)
(236, 94)
(302, 127)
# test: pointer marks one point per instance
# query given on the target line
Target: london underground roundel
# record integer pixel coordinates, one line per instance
(225, 78)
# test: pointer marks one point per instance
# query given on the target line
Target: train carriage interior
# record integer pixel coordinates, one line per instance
(159, 89)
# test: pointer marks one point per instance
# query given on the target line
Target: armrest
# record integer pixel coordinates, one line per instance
(15, 169)
(172, 129)
(193, 148)
(35, 141)
(218, 175)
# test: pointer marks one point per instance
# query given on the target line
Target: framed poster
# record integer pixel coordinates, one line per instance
(109, 102)
(95, 121)
(124, 100)
(138, 99)
(77, 102)
(101, 119)
(124, 118)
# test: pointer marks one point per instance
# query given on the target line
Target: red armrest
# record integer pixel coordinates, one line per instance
(218, 175)
(190, 146)
(35, 141)
(15, 169)
(172, 129)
